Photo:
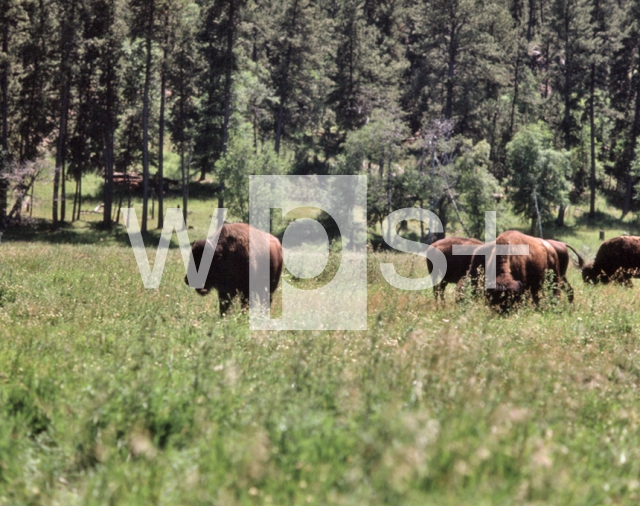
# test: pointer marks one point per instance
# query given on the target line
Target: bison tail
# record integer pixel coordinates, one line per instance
(580, 263)
(588, 274)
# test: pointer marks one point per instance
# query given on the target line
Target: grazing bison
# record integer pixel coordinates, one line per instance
(562, 250)
(457, 265)
(617, 259)
(516, 274)
(229, 272)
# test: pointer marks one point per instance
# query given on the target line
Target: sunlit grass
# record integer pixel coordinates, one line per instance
(113, 394)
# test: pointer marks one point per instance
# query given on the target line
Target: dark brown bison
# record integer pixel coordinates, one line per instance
(515, 274)
(617, 259)
(230, 269)
(562, 250)
(457, 265)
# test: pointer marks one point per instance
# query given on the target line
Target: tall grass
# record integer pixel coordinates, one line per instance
(112, 394)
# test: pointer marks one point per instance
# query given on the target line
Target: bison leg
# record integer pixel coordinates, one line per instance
(225, 302)
(438, 290)
(566, 286)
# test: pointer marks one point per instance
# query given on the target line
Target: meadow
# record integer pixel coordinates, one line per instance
(113, 394)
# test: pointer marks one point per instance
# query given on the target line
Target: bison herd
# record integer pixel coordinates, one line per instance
(617, 260)
(516, 275)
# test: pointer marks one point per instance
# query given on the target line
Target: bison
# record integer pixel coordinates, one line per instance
(457, 265)
(230, 267)
(562, 250)
(617, 259)
(516, 274)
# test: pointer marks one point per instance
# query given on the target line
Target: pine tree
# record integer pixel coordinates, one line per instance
(365, 75)
(182, 70)
(607, 22)
(106, 33)
(10, 13)
(295, 51)
(457, 55)
(143, 26)
(625, 98)
(538, 181)
(35, 104)
(67, 26)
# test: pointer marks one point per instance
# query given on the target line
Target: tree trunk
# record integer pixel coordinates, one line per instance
(531, 22)
(160, 185)
(62, 141)
(79, 196)
(185, 196)
(448, 110)
(516, 89)
(592, 135)
(108, 141)
(4, 156)
(560, 218)
(279, 123)
(635, 131)
(227, 92)
(567, 110)
(145, 122)
(285, 77)
(108, 179)
(227, 78)
(533, 225)
(163, 87)
(63, 194)
(75, 203)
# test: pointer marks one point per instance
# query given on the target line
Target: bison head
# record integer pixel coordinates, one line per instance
(589, 275)
(505, 293)
(197, 251)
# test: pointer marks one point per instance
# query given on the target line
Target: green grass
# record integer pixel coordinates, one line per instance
(113, 394)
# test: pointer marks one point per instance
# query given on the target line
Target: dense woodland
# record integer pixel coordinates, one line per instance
(444, 104)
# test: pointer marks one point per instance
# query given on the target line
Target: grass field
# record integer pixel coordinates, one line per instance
(113, 394)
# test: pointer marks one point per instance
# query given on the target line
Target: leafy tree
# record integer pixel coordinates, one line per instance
(607, 21)
(477, 186)
(572, 36)
(242, 161)
(365, 74)
(457, 55)
(373, 150)
(10, 14)
(105, 36)
(68, 22)
(182, 70)
(538, 173)
(295, 62)
(625, 98)
(35, 97)
(144, 18)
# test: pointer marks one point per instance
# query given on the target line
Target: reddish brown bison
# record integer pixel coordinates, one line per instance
(516, 274)
(457, 265)
(562, 250)
(229, 272)
(617, 259)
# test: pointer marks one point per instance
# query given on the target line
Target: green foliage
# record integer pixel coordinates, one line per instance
(477, 186)
(112, 394)
(241, 161)
(536, 167)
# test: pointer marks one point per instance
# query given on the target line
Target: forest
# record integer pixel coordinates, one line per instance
(448, 105)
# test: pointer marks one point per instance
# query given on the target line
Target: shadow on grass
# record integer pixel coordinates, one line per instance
(606, 221)
(79, 233)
